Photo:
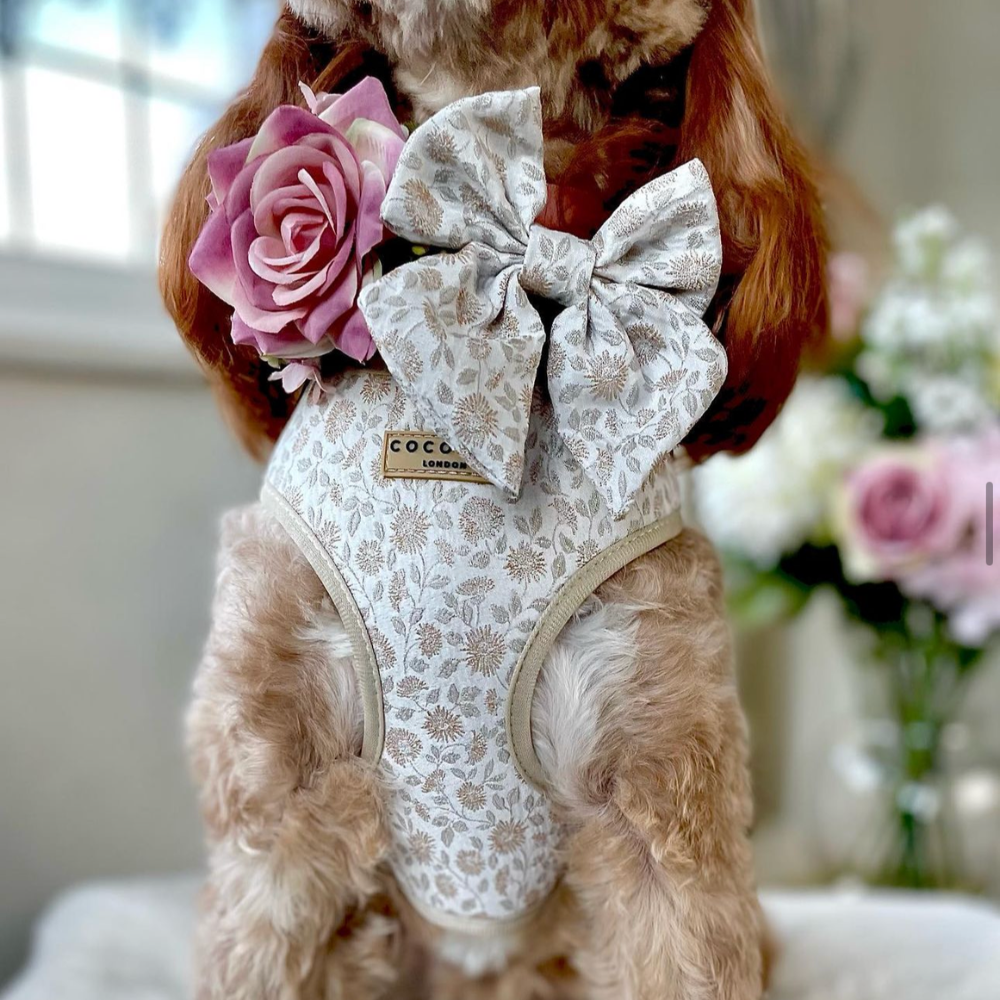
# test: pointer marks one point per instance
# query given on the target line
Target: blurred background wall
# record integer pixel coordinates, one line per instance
(115, 466)
(923, 127)
(112, 489)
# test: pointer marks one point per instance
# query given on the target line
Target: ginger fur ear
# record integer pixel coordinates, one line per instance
(773, 299)
(255, 408)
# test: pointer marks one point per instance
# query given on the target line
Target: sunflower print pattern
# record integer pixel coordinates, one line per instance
(450, 579)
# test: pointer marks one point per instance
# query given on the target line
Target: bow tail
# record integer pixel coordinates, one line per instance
(630, 373)
(459, 336)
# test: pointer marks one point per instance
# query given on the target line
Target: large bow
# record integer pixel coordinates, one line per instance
(631, 365)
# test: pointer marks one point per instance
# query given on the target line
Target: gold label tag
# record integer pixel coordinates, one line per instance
(422, 455)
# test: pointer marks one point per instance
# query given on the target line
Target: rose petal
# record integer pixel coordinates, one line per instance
(341, 152)
(258, 294)
(287, 343)
(274, 205)
(301, 239)
(346, 256)
(284, 127)
(370, 230)
(276, 343)
(319, 282)
(281, 170)
(289, 169)
(261, 320)
(238, 196)
(211, 257)
(332, 201)
(299, 229)
(224, 166)
(366, 99)
(280, 270)
(253, 297)
(376, 144)
(316, 103)
(353, 337)
(336, 189)
(291, 294)
(342, 297)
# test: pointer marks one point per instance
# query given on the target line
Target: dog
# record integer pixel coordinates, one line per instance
(635, 719)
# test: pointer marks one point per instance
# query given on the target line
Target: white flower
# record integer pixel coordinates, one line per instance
(769, 502)
(931, 324)
(944, 403)
(933, 335)
(923, 239)
(968, 267)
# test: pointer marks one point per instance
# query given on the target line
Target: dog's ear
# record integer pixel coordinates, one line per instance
(255, 408)
(772, 300)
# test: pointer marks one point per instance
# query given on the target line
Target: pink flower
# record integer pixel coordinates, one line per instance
(295, 214)
(296, 374)
(897, 510)
(962, 582)
(848, 277)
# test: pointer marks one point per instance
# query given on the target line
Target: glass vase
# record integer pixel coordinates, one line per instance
(911, 801)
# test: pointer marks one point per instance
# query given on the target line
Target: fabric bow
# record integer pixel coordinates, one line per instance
(630, 366)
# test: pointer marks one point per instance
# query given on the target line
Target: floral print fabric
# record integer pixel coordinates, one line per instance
(450, 578)
(631, 365)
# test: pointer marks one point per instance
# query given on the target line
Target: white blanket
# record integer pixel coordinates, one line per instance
(131, 941)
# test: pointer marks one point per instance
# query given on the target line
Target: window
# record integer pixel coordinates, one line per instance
(101, 102)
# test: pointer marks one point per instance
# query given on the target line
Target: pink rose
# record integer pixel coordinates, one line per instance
(897, 510)
(295, 214)
(961, 582)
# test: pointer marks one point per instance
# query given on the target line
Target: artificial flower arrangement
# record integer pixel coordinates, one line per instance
(874, 481)
(295, 230)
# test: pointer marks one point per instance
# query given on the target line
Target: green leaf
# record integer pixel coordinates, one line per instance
(765, 599)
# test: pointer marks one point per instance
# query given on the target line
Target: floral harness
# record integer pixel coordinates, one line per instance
(453, 593)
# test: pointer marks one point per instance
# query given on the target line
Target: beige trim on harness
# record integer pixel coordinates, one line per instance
(483, 928)
(563, 606)
(364, 656)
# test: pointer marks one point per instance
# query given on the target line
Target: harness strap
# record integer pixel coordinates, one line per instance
(552, 621)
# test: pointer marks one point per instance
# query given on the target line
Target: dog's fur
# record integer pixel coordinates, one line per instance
(636, 719)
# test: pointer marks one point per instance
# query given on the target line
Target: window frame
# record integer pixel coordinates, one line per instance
(85, 315)
(61, 308)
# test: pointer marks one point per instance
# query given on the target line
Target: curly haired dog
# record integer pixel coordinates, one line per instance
(635, 719)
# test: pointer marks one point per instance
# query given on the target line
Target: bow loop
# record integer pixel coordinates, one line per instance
(490, 150)
(666, 236)
(631, 364)
(558, 266)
